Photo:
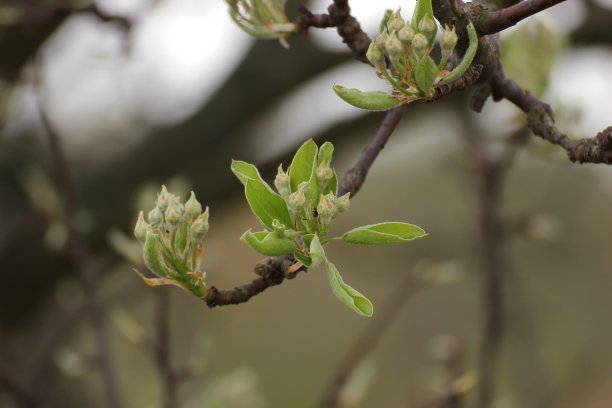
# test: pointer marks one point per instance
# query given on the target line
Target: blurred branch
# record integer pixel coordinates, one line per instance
(364, 344)
(496, 21)
(540, 120)
(340, 17)
(79, 254)
(163, 349)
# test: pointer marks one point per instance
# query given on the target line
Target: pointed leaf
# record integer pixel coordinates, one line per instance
(425, 74)
(266, 204)
(153, 257)
(385, 233)
(317, 254)
(303, 164)
(373, 101)
(268, 243)
(245, 172)
(347, 294)
(422, 8)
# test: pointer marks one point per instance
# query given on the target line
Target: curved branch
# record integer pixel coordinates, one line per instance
(496, 21)
(541, 121)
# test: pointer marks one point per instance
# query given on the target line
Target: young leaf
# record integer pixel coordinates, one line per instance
(347, 294)
(422, 9)
(425, 73)
(153, 258)
(385, 233)
(266, 204)
(268, 243)
(303, 164)
(317, 254)
(374, 101)
(245, 172)
(468, 57)
(332, 186)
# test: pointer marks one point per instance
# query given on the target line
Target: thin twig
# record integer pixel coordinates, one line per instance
(367, 341)
(164, 349)
(77, 251)
(496, 21)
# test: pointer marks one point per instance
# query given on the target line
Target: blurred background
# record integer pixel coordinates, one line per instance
(145, 92)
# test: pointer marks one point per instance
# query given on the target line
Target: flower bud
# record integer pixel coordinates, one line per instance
(199, 227)
(420, 45)
(381, 39)
(173, 212)
(162, 199)
(375, 56)
(406, 34)
(343, 202)
(155, 217)
(394, 47)
(141, 228)
(281, 182)
(449, 40)
(326, 210)
(396, 22)
(428, 27)
(296, 202)
(324, 174)
(193, 208)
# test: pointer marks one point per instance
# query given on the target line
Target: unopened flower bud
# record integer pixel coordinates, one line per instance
(396, 22)
(324, 174)
(394, 47)
(343, 202)
(155, 217)
(449, 40)
(406, 34)
(199, 227)
(193, 208)
(141, 228)
(281, 182)
(296, 201)
(326, 210)
(420, 45)
(173, 212)
(163, 197)
(428, 27)
(381, 39)
(375, 56)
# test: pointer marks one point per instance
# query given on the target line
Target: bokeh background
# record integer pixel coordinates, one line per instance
(178, 92)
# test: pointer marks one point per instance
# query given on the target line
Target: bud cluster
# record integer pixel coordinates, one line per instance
(265, 19)
(172, 241)
(405, 45)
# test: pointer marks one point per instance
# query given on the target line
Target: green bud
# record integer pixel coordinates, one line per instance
(193, 208)
(281, 182)
(420, 45)
(375, 56)
(343, 202)
(173, 212)
(324, 174)
(296, 202)
(141, 228)
(428, 27)
(199, 227)
(163, 198)
(394, 47)
(406, 34)
(396, 22)
(381, 39)
(155, 217)
(449, 40)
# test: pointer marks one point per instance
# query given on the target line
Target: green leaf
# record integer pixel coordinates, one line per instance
(385, 233)
(374, 101)
(268, 243)
(385, 19)
(317, 254)
(304, 259)
(266, 204)
(347, 294)
(468, 57)
(425, 73)
(153, 257)
(422, 8)
(303, 165)
(245, 172)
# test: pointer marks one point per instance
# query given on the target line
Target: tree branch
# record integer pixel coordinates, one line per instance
(340, 17)
(540, 120)
(489, 22)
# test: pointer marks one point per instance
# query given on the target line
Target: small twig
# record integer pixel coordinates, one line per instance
(76, 250)
(540, 120)
(367, 341)
(163, 349)
(490, 22)
(355, 177)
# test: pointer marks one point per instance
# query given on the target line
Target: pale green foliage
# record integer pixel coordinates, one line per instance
(297, 216)
(264, 19)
